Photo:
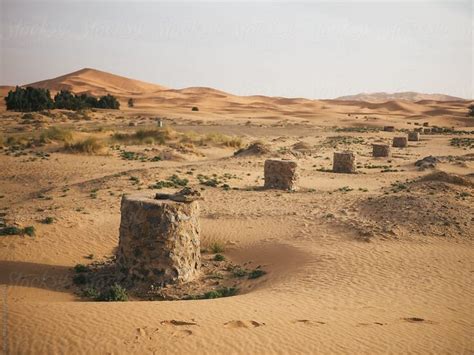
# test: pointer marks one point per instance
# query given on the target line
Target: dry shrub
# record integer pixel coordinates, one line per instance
(56, 134)
(224, 140)
(89, 145)
(145, 136)
(191, 137)
(214, 244)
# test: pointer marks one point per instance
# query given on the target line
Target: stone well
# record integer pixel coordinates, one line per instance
(389, 129)
(413, 136)
(400, 142)
(280, 174)
(159, 240)
(380, 150)
(344, 162)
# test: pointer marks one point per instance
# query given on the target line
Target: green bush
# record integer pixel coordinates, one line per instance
(30, 231)
(239, 272)
(79, 268)
(47, 220)
(115, 293)
(254, 274)
(28, 99)
(70, 101)
(11, 230)
(222, 292)
(219, 257)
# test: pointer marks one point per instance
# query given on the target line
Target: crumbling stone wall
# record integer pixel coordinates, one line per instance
(380, 150)
(400, 142)
(344, 162)
(280, 174)
(159, 240)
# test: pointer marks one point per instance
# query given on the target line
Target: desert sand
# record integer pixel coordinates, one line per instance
(374, 262)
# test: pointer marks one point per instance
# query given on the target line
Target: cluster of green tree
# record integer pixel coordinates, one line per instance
(29, 99)
(37, 99)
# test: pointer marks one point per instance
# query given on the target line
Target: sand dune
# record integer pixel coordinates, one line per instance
(96, 82)
(405, 96)
(156, 97)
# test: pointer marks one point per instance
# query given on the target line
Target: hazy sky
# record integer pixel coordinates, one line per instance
(319, 49)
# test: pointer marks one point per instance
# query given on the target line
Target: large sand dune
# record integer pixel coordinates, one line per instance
(155, 98)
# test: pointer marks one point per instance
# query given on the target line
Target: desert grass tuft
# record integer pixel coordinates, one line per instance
(145, 136)
(56, 134)
(89, 145)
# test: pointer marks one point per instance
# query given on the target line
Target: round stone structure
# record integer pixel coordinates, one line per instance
(281, 174)
(159, 240)
(344, 162)
(380, 150)
(413, 136)
(400, 142)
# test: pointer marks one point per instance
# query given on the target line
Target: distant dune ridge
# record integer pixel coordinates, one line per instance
(99, 82)
(405, 96)
(154, 97)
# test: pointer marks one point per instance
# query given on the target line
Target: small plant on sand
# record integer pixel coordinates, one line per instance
(135, 180)
(90, 292)
(47, 220)
(173, 181)
(216, 247)
(239, 272)
(79, 268)
(221, 292)
(195, 108)
(254, 274)
(30, 231)
(398, 186)
(11, 230)
(219, 257)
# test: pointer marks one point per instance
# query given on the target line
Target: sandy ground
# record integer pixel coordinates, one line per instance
(353, 264)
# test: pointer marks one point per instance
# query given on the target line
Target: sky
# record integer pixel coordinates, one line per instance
(317, 49)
